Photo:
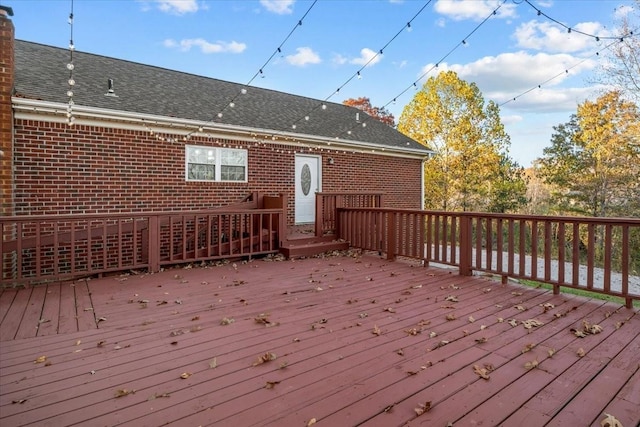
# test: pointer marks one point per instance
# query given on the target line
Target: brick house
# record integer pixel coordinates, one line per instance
(145, 138)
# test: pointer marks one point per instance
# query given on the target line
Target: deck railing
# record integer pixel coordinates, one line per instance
(594, 254)
(42, 248)
(328, 203)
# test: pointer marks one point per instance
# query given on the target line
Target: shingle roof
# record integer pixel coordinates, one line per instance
(41, 73)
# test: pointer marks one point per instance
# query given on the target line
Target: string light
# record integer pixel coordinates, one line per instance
(562, 73)
(70, 66)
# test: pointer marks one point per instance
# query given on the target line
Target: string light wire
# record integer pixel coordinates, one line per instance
(70, 67)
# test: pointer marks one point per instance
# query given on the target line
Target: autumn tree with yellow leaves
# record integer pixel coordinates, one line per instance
(470, 169)
(593, 163)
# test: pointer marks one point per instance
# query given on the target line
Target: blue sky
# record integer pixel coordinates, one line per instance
(513, 51)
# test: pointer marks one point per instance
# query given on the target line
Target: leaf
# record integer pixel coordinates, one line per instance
(451, 298)
(481, 372)
(422, 408)
(376, 330)
(19, 401)
(311, 422)
(432, 334)
(595, 329)
(609, 421)
(578, 333)
(481, 340)
(519, 307)
(412, 331)
(580, 352)
(226, 321)
(185, 375)
(271, 384)
(532, 364)
(123, 392)
(400, 352)
(158, 396)
(513, 322)
(471, 319)
(551, 352)
(40, 359)
(78, 342)
(547, 306)
(450, 316)
(213, 363)
(390, 309)
(267, 357)
(527, 348)
(531, 323)
(441, 344)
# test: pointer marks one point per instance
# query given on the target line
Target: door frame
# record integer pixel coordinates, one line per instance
(318, 159)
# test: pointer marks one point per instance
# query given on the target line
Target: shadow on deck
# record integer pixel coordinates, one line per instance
(345, 341)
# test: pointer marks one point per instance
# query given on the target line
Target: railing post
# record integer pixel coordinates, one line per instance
(154, 244)
(319, 215)
(466, 245)
(391, 235)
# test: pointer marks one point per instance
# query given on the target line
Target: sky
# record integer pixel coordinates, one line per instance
(393, 44)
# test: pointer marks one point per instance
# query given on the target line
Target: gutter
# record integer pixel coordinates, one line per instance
(56, 112)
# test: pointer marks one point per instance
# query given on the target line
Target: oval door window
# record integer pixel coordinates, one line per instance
(305, 179)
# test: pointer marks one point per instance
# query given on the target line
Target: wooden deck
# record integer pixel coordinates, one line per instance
(344, 341)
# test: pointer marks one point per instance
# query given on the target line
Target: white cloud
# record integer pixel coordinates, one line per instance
(555, 38)
(280, 7)
(623, 11)
(304, 56)
(339, 59)
(509, 119)
(518, 71)
(205, 46)
(178, 7)
(366, 55)
(478, 10)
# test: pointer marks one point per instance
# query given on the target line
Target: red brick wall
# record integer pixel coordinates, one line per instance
(6, 116)
(82, 169)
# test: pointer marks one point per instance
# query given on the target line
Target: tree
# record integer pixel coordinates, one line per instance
(378, 113)
(593, 163)
(622, 68)
(471, 169)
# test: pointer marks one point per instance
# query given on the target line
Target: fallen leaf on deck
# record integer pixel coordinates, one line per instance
(513, 322)
(578, 333)
(450, 316)
(422, 408)
(195, 329)
(40, 359)
(389, 408)
(400, 352)
(376, 330)
(580, 352)
(551, 352)
(390, 309)
(267, 357)
(471, 319)
(516, 293)
(481, 372)
(213, 363)
(609, 421)
(424, 322)
(547, 306)
(500, 320)
(486, 290)
(78, 342)
(283, 365)
(481, 340)
(20, 401)
(412, 331)
(519, 307)
(441, 344)
(185, 375)
(226, 321)
(483, 327)
(311, 422)
(527, 348)
(451, 298)
(174, 342)
(162, 302)
(158, 395)
(432, 335)
(193, 319)
(271, 384)
(531, 323)
(101, 319)
(532, 364)
(124, 392)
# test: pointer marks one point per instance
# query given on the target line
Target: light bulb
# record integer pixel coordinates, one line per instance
(293, 126)
(70, 66)
(71, 46)
(69, 93)
(243, 91)
(306, 118)
(324, 106)
(231, 104)
(72, 82)
(219, 114)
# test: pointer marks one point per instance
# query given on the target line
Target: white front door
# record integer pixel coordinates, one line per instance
(308, 182)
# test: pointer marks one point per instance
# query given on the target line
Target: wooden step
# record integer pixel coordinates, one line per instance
(307, 247)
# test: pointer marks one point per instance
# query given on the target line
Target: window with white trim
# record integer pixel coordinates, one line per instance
(215, 164)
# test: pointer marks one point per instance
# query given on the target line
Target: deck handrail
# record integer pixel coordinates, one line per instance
(593, 254)
(327, 204)
(40, 248)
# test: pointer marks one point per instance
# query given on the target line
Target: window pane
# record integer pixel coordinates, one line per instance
(233, 157)
(232, 173)
(202, 155)
(202, 172)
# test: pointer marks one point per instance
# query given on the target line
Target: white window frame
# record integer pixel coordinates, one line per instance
(213, 156)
